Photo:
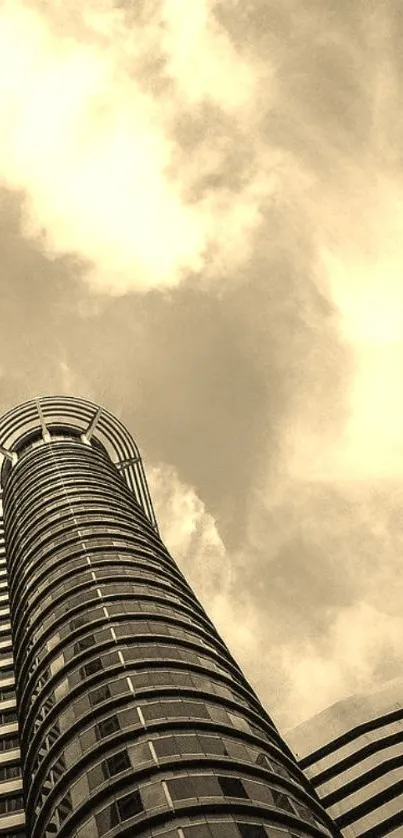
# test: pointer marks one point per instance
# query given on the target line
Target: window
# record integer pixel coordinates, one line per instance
(282, 801)
(305, 812)
(116, 763)
(251, 830)
(232, 787)
(84, 643)
(64, 808)
(213, 745)
(107, 819)
(90, 668)
(258, 792)
(7, 692)
(101, 694)
(204, 785)
(10, 742)
(9, 772)
(239, 722)
(8, 716)
(129, 806)
(263, 760)
(11, 804)
(107, 726)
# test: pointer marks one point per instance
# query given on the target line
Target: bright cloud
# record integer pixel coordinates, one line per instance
(89, 99)
(190, 533)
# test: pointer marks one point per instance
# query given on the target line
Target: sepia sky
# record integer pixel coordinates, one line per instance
(201, 227)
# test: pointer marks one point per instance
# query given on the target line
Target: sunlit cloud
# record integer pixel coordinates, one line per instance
(190, 533)
(87, 135)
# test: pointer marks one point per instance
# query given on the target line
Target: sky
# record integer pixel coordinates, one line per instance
(201, 219)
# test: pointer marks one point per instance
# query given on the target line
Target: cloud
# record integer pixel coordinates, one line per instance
(190, 534)
(39, 299)
(360, 641)
(89, 103)
(245, 159)
(319, 586)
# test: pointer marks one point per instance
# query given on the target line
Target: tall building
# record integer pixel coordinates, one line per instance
(353, 755)
(122, 711)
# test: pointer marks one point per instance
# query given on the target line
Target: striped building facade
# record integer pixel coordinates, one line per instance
(122, 712)
(12, 817)
(353, 755)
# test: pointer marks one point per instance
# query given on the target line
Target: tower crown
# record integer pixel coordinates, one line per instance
(47, 418)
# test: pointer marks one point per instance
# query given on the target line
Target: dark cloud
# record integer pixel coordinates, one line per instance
(324, 547)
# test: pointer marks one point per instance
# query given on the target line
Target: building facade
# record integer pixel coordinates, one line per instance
(122, 712)
(353, 755)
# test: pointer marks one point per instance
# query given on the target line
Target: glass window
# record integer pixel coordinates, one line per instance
(11, 804)
(258, 791)
(9, 772)
(200, 786)
(232, 787)
(129, 805)
(10, 742)
(263, 760)
(107, 726)
(116, 763)
(100, 694)
(65, 807)
(282, 801)
(239, 722)
(8, 716)
(90, 668)
(107, 819)
(251, 830)
(236, 750)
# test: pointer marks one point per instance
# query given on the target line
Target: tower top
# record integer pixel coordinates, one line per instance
(47, 417)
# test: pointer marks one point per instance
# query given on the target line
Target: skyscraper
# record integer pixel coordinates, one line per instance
(133, 717)
(353, 755)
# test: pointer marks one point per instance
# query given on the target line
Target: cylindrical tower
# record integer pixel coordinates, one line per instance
(134, 718)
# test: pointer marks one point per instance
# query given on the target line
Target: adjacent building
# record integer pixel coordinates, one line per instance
(122, 712)
(353, 755)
